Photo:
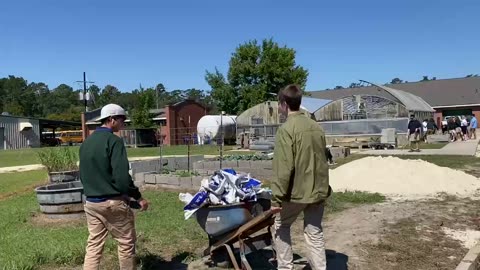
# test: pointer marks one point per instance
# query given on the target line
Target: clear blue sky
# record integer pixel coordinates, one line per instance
(126, 43)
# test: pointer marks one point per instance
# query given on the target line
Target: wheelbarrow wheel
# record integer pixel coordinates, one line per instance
(220, 259)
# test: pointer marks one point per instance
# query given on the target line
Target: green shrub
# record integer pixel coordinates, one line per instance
(59, 159)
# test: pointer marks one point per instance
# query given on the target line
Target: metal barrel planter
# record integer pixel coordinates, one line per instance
(65, 176)
(61, 200)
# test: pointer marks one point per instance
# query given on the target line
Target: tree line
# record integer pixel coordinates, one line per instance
(257, 70)
(35, 99)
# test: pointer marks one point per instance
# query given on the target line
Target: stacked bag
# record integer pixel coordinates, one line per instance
(222, 188)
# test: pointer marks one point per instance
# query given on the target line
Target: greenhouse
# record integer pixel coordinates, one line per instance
(260, 122)
(368, 111)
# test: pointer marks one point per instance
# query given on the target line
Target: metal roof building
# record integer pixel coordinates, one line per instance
(368, 110)
(376, 101)
(313, 104)
(23, 132)
(456, 96)
(457, 92)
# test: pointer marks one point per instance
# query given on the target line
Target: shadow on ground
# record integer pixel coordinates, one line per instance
(261, 260)
(154, 262)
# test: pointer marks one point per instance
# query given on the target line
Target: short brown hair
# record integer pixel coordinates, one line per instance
(292, 95)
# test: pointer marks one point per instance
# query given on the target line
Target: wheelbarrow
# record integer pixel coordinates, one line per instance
(226, 225)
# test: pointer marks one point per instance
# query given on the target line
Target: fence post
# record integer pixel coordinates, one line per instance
(222, 138)
(161, 148)
(188, 145)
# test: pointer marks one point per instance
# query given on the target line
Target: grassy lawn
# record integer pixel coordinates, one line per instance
(427, 146)
(11, 183)
(162, 234)
(339, 201)
(18, 157)
(29, 156)
(164, 237)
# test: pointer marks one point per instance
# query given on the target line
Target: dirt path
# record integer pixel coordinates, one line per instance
(398, 235)
(433, 234)
(347, 230)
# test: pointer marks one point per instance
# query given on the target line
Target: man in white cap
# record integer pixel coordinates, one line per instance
(109, 190)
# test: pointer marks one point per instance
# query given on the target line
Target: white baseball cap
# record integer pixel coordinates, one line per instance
(111, 110)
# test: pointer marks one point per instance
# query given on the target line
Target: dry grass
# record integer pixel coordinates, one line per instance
(405, 246)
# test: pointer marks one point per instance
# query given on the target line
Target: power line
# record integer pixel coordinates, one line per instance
(85, 90)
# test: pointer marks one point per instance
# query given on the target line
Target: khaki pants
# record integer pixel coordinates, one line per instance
(116, 217)
(312, 230)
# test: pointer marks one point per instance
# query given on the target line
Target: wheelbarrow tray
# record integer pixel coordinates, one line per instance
(222, 219)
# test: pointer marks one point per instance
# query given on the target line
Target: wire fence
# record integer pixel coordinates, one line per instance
(246, 135)
(211, 135)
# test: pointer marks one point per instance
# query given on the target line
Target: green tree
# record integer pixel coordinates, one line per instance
(161, 96)
(17, 98)
(338, 87)
(225, 96)
(128, 100)
(175, 96)
(94, 94)
(140, 115)
(194, 94)
(72, 114)
(110, 94)
(3, 94)
(256, 74)
(41, 93)
(14, 108)
(396, 81)
(62, 99)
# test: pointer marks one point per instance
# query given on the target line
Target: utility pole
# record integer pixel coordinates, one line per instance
(85, 90)
(188, 144)
(222, 138)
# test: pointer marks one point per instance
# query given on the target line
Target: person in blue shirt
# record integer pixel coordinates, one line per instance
(414, 133)
(473, 126)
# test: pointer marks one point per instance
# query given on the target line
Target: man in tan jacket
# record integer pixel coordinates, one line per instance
(300, 181)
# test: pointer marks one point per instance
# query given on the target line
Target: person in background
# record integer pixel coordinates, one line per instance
(473, 127)
(414, 133)
(300, 182)
(451, 129)
(424, 129)
(469, 133)
(458, 128)
(330, 157)
(445, 126)
(464, 125)
(109, 190)
(431, 127)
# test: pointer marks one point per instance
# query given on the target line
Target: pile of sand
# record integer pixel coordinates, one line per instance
(402, 178)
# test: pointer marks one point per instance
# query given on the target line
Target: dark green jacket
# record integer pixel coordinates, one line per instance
(104, 166)
(299, 162)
